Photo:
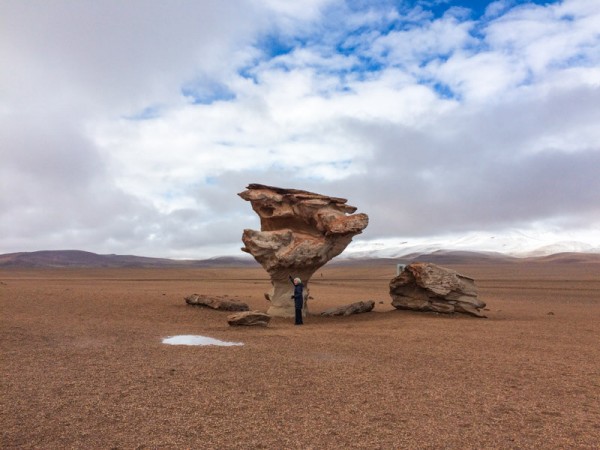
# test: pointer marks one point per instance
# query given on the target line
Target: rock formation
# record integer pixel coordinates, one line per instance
(249, 318)
(353, 308)
(428, 287)
(300, 232)
(222, 304)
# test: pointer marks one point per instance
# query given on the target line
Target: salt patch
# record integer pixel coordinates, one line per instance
(189, 339)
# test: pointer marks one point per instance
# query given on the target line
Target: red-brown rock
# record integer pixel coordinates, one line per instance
(428, 287)
(300, 232)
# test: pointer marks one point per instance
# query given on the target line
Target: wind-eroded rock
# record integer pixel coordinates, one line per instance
(300, 232)
(428, 287)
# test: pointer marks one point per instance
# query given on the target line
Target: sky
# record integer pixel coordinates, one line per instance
(129, 127)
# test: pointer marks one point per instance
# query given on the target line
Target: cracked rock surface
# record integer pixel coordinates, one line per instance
(428, 287)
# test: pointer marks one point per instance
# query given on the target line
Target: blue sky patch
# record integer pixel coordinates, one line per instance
(444, 91)
(273, 45)
(148, 113)
(477, 7)
(204, 92)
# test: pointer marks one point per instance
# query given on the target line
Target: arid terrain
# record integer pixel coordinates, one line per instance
(83, 364)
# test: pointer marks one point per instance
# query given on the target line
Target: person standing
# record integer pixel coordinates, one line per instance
(298, 298)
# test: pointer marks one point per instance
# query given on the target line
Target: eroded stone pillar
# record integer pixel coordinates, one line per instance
(300, 232)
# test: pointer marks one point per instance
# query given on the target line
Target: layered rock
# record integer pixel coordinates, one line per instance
(353, 308)
(220, 303)
(300, 232)
(249, 319)
(428, 287)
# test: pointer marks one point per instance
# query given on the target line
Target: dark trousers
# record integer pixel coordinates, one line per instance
(298, 316)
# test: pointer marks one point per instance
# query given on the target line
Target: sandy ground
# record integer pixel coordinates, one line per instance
(83, 364)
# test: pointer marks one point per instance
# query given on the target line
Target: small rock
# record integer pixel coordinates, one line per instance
(249, 318)
(550, 313)
(222, 304)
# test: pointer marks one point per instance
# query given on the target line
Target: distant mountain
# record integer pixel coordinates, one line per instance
(441, 257)
(513, 243)
(450, 257)
(78, 258)
(567, 258)
(82, 259)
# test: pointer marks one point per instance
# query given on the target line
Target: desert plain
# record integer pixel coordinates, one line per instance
(83, 363)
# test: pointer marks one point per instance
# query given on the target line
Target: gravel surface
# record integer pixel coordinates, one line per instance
(83, 364)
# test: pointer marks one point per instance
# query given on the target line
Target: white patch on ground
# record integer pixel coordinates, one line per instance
(189, 339)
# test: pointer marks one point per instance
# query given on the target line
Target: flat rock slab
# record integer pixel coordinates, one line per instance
(249, 318)
(353, 308)
(220, 303)
(428, 287)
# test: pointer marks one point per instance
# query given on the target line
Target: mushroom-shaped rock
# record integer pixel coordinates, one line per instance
(300, 232)
(428, 287)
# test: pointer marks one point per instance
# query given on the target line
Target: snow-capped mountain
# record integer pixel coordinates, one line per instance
(513, 243)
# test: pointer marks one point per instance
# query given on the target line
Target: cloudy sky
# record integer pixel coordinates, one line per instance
(129, 127)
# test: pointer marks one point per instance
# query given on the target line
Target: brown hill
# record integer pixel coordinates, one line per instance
(82, 259)
(78, 258)
(442, 257)
(567, 258)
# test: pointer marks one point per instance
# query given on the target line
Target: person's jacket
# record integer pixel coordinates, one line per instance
(298, 297)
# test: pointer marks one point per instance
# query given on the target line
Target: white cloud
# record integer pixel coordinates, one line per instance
(548, 38)
(295, 12)
(423, 41)
(130, 128)
(496, 8)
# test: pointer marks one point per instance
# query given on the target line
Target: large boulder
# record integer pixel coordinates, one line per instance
(300, 232)
(353, 308)
(249, 318)
(220, 303)
(428, 287)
